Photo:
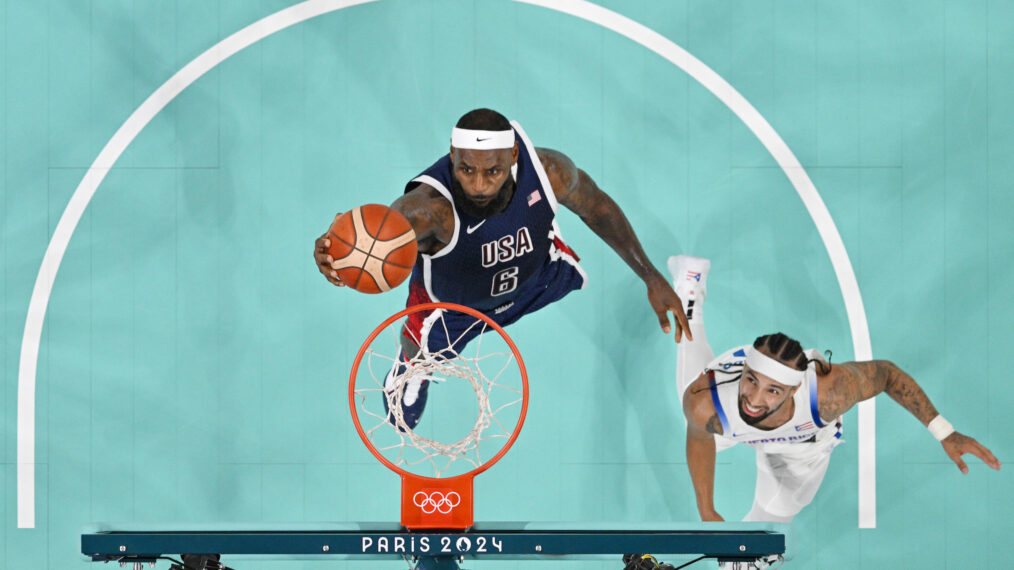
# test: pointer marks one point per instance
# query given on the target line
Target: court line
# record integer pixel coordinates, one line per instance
(83, 194)
(311, 8)
(806, 190)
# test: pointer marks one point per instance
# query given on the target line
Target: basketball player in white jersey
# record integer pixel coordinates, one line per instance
(784, 402)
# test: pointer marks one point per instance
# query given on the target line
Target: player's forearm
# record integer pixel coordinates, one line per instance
(608, 221)
(417, 213)
(903, 389)
(701, 463)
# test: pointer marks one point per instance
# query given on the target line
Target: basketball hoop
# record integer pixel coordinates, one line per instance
(487, 376)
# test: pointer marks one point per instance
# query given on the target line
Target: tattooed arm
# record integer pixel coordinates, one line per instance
(702, 426)
(852, 382)
(579, 193)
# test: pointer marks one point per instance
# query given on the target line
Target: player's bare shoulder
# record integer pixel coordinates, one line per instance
(839, 388)
(699, 407)
(560, 170)
(431, 216)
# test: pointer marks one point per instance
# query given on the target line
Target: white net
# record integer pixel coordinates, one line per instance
(473, 400)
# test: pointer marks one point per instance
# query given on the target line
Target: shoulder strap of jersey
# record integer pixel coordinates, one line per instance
(537, 164)
(436, 184)
(726, 429)
(814, 408)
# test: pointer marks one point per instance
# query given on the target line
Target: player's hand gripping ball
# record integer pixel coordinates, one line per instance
(373, 248)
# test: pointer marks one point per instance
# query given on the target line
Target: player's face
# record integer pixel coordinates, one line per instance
(483, 179)
(760, 396)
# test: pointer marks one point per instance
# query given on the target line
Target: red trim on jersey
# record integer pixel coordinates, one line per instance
(565, 248)
(417, 295)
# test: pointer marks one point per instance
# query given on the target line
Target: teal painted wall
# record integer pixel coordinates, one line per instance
(193, 363)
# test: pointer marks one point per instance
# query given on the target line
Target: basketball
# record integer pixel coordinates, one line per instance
(373, 248)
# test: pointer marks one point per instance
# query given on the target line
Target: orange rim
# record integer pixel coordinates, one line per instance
(415, 309)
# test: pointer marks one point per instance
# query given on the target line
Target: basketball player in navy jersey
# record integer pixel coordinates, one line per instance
(484, 216)
(786, 403)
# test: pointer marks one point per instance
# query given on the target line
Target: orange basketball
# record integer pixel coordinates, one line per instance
(373, 248)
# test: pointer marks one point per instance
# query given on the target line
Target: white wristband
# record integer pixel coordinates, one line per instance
(940, 428)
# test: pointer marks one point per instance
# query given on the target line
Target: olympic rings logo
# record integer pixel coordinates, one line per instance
(436, 501)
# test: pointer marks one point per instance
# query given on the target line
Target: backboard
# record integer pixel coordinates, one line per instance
(434, 549)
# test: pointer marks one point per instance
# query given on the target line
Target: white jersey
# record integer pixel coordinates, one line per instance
(805, 426)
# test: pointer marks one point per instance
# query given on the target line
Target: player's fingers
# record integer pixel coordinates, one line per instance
(681, 317)
(325, 264)
(680, 329)
(663, 320)
(961, 464)
(986, 455)
(332, 276)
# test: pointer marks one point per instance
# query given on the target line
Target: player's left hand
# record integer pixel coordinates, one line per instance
(664, 299)
(324, 260)
(958, 444)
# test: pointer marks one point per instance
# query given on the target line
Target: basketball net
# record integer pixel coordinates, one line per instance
(488, 367)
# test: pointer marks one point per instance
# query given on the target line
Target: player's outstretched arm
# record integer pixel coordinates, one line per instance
(702, 426)
(431, 216)
(852, 382)
(579, 193)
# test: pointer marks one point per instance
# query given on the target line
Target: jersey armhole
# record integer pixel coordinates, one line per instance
(718, 404)
(436, 184)
(540, 171)
(814, 408)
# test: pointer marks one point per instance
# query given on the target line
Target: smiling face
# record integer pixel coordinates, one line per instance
(760, 397)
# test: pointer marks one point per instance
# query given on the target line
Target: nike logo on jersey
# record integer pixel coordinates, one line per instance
(471, 229)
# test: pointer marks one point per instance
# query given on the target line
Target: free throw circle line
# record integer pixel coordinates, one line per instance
(311, 8)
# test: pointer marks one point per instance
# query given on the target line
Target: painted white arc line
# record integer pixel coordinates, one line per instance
(861, 344)
(82, 196)
(312, 8)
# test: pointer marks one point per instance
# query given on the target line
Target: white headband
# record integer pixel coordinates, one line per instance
(764, 364)
(482, 140)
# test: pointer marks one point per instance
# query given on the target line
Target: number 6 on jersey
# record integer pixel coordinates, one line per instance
(505, 281)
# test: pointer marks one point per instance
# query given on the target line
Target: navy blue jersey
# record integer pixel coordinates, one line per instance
(490, 262)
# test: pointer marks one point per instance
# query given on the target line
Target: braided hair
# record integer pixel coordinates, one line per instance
(784, 349)
(790, 352)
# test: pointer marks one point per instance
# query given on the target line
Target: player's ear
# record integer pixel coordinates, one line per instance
(514, 153)
(452, 155)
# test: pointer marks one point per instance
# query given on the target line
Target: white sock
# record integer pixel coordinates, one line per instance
(692, 355)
